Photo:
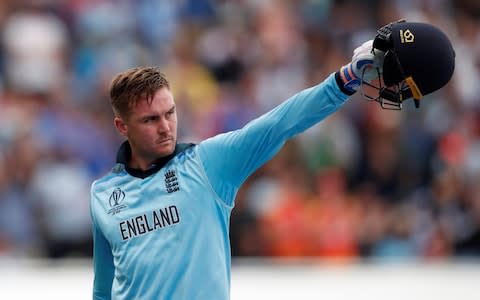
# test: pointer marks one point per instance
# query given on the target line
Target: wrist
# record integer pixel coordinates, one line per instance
(346, 79)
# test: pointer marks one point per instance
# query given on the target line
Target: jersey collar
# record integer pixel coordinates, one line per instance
(125, 152)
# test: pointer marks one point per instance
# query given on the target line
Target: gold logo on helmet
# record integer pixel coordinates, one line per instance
(406, 36)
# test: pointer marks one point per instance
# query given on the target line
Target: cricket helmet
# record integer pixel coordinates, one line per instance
(418, 60)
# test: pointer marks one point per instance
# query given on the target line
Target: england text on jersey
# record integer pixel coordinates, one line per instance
(146, 223)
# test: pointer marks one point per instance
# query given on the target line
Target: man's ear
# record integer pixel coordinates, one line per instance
(121, 126)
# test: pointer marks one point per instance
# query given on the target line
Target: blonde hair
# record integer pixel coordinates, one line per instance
(133, 85)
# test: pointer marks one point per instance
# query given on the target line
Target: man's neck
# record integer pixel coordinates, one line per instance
(139, 163)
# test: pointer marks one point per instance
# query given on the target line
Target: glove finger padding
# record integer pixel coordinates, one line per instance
(365, 65)
(367, 62)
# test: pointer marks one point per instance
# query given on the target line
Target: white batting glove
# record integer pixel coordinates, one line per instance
(366, 61)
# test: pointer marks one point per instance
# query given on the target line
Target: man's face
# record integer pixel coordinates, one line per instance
(151, 129)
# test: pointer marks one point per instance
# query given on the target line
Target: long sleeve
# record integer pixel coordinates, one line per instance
(231, 157)
(102, 265)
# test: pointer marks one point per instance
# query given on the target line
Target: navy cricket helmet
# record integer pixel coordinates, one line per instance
(419, 59)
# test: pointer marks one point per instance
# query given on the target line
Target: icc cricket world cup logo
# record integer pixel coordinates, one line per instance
(115, 200)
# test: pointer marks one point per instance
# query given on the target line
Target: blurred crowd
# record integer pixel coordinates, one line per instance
(364, 183)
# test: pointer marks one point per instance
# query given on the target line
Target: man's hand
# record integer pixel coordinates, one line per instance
(365, 63)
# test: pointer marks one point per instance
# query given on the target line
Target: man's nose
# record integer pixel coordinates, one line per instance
(163, 125)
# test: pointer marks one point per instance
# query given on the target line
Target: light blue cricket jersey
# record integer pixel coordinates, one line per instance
(165, 235)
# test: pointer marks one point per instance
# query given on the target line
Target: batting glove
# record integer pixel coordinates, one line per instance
(366, 64)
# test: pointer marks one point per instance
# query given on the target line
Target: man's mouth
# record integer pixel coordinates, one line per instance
(165, 140)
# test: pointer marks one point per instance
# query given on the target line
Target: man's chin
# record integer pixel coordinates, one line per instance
(166, 149)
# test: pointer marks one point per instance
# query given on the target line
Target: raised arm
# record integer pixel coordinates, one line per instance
(231, 157)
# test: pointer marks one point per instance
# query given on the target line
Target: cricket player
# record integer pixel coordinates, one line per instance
(161, 215)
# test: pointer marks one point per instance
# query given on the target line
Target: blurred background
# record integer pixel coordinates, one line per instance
(365, 185)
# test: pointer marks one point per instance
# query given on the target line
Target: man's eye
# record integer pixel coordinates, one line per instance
(148, 120)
